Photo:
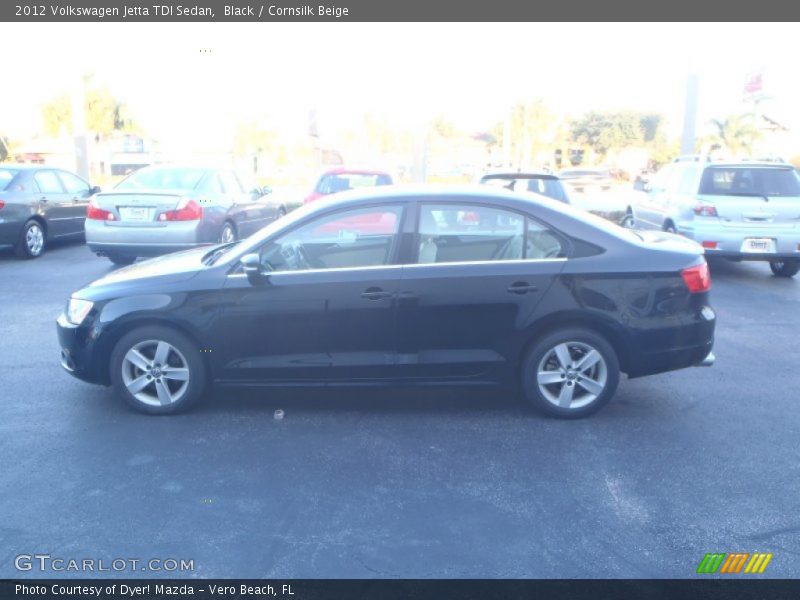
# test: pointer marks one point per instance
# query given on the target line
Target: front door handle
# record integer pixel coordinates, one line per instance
(375, 293)
(43, 199)
(522, 287)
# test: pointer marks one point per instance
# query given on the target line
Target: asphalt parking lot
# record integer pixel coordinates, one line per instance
(442, 483)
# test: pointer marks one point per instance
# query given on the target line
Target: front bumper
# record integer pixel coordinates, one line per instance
(78, 344)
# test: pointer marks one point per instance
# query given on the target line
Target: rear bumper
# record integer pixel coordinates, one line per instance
(729, 240)
(127, 249)
(148, 240)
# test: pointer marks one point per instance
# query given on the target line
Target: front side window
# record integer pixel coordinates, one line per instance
(361, 237)
(73, 184)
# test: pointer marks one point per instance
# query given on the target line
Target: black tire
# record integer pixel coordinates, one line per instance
(785, 268)
(25, 246)
(182, 352)
(227, 233)
(628, 221)
(669, 227)
(543, 353)
(121, 260)
(281, 213)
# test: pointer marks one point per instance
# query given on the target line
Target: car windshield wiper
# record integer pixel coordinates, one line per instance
(210, 258)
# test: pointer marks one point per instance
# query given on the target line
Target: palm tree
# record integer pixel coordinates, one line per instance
(737, 134)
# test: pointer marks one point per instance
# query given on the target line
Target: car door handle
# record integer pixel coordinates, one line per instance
(43, 199)
(375, 293)
(522, 287)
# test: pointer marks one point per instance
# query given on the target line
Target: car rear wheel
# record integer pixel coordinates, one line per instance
(785, 268)
(157, 370)
(570, 373)
(228, 233)
(669, 227)
(628, 222)
(121, 260)
(281, 213)
(32, 240)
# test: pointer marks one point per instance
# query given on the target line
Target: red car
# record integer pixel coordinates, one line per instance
(340, 179)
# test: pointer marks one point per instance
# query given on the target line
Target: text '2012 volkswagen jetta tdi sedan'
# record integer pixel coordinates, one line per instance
(401, 286)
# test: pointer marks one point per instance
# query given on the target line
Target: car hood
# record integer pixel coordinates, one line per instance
(156, 272)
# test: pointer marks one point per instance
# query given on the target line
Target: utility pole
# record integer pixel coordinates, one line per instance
(79, 128)
(690, 115)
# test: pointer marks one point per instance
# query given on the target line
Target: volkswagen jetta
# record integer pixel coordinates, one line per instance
(397, 286)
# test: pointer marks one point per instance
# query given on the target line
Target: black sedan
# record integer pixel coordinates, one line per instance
(399, 286)
(39, 204)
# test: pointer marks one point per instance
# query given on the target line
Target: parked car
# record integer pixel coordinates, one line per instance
(588, 179)
(743, 210)
(546, 184)
(341, 179)
(165, 208)
(529, 291)
(39, 204)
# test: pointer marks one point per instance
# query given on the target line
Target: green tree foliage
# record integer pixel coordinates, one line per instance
(104, 113)
(737, 133)
(5, 151)
(606, 131)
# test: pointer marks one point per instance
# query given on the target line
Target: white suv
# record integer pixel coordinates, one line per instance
(744, 210)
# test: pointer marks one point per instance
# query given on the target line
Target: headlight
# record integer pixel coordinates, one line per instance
(77, 310)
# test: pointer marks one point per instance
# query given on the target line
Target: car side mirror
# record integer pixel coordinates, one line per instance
(95, 190)
(255, 271)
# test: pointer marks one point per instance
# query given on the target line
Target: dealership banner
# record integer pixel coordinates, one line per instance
(397, 589)
(394, 10)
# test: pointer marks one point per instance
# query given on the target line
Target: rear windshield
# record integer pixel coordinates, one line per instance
(547, 186)
(340, 182)
(6, 176)
(750, 181)
(162, 178)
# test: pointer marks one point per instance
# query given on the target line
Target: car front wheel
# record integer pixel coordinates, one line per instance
(570, 373)
(157, 370)
(121, 260)
(785, 268)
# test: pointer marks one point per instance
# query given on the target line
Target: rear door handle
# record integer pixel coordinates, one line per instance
(522, 287)
(375, 293)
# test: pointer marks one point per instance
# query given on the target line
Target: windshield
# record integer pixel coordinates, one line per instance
(6, 176)
(750, 181)
(162, 178)
(340, 182)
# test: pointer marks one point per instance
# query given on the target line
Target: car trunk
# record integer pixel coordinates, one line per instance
(138, 208)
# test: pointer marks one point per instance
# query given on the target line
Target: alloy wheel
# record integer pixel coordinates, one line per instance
(34, 239)
(227, 235)
(572, 375)
(155, 373)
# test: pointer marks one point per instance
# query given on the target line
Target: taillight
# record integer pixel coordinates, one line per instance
(96, 213)
(2, 203)
(705, 210)
(710, 245)
(697, 278)
(189, 210)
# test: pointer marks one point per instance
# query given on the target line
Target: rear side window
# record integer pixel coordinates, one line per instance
(750, 181)
(48, 182)
(452, 233)
(6, 177)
